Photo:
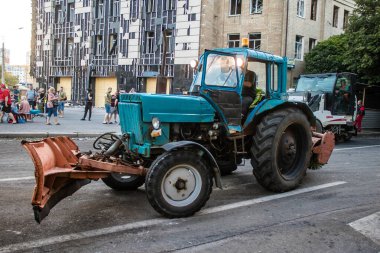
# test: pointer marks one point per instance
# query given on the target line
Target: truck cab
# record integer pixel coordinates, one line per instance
(331, 97)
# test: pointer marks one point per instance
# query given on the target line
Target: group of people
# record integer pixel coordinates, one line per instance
(18, 108)
(111, 106)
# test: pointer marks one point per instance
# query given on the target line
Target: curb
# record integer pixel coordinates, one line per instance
(13, 135)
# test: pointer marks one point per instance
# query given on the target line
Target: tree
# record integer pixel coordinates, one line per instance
(9, 78)
(328, 56)
(363, 39)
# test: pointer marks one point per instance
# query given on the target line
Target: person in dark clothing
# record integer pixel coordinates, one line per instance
(249, 91)
(88, 106)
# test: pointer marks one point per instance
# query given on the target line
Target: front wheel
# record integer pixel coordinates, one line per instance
(123, 182)
(178, 184)
(281, 150)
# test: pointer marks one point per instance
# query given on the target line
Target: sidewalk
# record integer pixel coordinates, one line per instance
(71, 126)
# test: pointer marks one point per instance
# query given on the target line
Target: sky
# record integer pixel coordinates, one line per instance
(13, 15)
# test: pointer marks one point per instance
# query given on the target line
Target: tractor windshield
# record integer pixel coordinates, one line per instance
(316, 83)
(221, 71)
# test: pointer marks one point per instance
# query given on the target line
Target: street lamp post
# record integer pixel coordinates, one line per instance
(2, 64)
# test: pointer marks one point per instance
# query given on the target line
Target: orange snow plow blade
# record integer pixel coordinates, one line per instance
(323, 145)
(61, 170)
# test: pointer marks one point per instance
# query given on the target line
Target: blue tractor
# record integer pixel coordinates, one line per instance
(179, 145)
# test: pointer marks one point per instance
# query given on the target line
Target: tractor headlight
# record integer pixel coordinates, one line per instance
(156, 123)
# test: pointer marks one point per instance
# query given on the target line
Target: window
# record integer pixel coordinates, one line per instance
(312, 43)
(255, 41)
(71, 12)
(58, 49)
(114, 8)
(186, 46)
(70, 47)
(345, 19)
(113, 44)
(134, 9)
(335, 16)
(256, 6)
(301, 8)
(149, 42)
(169, 4)
(169, 46)
(221, 71)
(99, 45)
(150, 5)
(299, 48)
(100, 9)
(235, 7)
(313, 13)
(58, 14)
(192, 17)
(274, 78)
(233, 40)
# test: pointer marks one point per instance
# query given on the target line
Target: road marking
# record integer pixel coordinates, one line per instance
(371, 146)
(368, 226)
(267, 198)
(153, 222)
(15, 179)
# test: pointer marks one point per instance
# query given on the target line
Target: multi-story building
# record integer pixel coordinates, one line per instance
(21, 71)
(98, 44)
(114, 43)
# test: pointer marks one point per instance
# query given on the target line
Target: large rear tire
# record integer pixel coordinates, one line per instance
(178, 184)
(124, 182)
(281, 150)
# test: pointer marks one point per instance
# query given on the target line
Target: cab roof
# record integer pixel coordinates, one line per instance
(260, 55)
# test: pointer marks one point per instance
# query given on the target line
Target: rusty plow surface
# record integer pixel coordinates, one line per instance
(61, 170)
(323, 145)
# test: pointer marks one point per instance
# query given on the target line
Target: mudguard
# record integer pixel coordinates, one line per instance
(183, 144)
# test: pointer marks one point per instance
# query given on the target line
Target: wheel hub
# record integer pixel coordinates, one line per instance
(287, 151)
(179, 183)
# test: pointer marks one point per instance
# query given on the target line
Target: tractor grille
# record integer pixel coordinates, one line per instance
(131, 121)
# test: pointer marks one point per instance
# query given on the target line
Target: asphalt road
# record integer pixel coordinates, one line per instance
(324, 215)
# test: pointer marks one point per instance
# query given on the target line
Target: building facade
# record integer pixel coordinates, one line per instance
(97, 44)
(80, 44)
(20, 71)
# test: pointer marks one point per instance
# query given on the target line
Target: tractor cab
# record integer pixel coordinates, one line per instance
(238, 81)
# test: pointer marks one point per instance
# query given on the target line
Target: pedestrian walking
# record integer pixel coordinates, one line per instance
(360, 112)
(61, 102)
(107, 105)
(52, 105)
(31, 95)
(114, 103)
(7, 109)
(88, 106)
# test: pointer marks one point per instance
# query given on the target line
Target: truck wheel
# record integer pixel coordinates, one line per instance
(124, 182)
(178, 184)
(281, 150)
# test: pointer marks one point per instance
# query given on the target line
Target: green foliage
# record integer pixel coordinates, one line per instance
(357, 51)
(363, 37)
(9, 78)
(327, 56)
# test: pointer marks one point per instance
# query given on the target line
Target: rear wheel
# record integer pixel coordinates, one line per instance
(281, 150)
(178, 184)
(124, 182)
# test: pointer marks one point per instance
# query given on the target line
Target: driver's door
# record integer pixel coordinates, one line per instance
(220, 86)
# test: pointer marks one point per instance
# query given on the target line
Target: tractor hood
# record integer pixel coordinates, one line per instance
(171, 108)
